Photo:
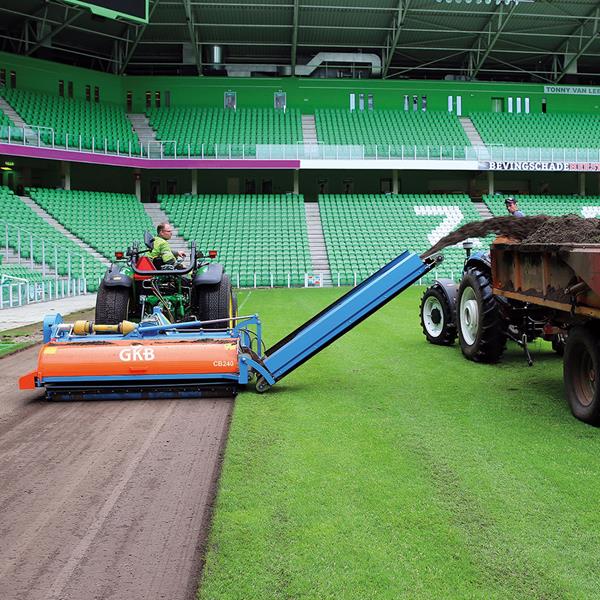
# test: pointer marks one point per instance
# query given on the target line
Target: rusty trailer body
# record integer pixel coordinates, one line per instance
(561, 277)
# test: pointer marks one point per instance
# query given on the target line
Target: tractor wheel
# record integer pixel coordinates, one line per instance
(217, 302)
(480, 328)
(436, 318)
(581, 372)
(112, 305)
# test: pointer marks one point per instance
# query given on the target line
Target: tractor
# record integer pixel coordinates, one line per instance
(133, 287)
(482, 320)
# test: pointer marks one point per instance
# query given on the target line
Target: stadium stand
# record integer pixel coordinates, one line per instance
(5, 123)
(70, 119)
(365, 231)
(22, 229)
(210, 130)
(539, 130)
(253, 234)
(387, 131)
(105, 221)
(585, 206)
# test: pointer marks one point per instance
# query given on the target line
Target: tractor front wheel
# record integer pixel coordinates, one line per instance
(581, 371)
(436, 318)
(480, 328)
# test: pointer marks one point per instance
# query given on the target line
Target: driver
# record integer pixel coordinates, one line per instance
(512, 208)
(161, 249)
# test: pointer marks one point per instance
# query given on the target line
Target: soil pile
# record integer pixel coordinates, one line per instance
(569, 229)
(518, 228)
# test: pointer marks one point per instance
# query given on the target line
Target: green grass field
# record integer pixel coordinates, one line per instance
(389, 468)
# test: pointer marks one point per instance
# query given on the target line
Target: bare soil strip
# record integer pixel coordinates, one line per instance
(105, 499)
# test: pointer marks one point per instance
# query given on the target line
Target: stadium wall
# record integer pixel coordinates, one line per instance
(303, 93)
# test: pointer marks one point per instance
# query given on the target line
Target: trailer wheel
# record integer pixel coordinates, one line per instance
(480, 327)
(581, 371)
(112, 305)
(217, 302)
(436, 318)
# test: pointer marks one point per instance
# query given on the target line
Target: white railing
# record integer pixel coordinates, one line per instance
(16, 292)
(46, 137)
(32, 250)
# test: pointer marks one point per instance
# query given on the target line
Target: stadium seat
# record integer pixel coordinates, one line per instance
(255, 235)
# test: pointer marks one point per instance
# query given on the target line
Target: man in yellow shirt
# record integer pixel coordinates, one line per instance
(161, 249)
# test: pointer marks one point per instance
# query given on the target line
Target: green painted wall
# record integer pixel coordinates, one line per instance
(303, 93)
(43, 76)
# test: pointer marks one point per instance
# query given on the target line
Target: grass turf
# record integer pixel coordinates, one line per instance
(389, 468)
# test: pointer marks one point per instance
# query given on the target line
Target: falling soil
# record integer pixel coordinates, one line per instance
(540, 229)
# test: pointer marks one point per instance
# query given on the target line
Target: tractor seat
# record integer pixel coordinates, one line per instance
(144, 263)
(148, 240)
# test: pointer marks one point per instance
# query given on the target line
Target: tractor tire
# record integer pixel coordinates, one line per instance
(217, 302)
(581, 373)
(112, 305)
(480, 326)
(437, 320)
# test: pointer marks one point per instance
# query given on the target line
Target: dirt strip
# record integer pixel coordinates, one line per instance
(107, 499)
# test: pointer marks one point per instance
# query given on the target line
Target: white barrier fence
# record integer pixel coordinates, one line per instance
(17, 292)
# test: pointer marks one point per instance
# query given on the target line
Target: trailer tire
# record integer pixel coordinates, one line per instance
(112, 305)
(581, 372)
(217, 302)
(436, 318)
(480, 325)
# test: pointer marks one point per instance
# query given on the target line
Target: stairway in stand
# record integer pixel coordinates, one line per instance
(316, 242)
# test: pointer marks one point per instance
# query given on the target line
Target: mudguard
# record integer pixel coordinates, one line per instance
(114, 278)
(480, 260)
(449, 288)
(212, 275)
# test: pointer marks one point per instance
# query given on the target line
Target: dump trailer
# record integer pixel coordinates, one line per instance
(523, 291)
(156, 358)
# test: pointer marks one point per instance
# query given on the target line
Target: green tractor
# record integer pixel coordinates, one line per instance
(133, 286)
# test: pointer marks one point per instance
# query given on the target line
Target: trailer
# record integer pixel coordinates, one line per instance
(522, 292)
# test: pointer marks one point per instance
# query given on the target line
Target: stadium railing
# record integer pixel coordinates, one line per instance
(165, 149)
(16, 292)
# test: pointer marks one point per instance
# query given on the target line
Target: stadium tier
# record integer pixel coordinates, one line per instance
(23, 230)
(253, 234)
(388, 131)
(5, 123)
(365, 231)
(211, 130)
(584, 206)
(538, 130)
(106, 221)
(70, 119)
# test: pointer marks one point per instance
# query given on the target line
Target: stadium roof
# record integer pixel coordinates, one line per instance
(539, 40)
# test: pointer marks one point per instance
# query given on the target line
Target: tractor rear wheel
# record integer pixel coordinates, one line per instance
(436, 318)
(480, 327)
(217, 302)
(112, 305)
(581, 373)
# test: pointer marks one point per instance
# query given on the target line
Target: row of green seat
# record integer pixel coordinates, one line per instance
(391, 132)
(104, 220)
(25, 231)
(363, 232)
(76, 123)
(553, 130)
(203, 130)
(552, 205)
(264, 235)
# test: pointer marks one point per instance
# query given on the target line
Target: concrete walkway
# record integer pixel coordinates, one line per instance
(11, 318)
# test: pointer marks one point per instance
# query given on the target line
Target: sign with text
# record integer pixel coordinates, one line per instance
(572, 90)
(535, 165)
